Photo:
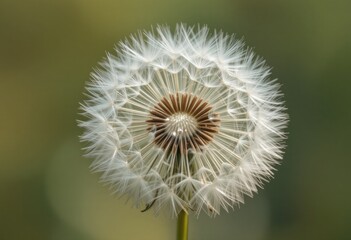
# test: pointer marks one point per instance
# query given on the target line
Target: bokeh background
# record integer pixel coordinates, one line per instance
(47, 51)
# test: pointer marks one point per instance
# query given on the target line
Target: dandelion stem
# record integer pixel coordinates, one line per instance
(182, 226)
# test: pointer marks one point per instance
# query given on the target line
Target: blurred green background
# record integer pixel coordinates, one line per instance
(47, 50)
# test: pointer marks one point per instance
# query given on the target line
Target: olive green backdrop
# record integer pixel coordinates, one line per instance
(47, 51)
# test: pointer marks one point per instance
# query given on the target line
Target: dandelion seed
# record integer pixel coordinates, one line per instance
(184, 121)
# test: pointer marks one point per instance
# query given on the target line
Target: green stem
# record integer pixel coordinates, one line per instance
(182, 226)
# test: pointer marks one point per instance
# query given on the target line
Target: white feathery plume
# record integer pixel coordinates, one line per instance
(184, 121)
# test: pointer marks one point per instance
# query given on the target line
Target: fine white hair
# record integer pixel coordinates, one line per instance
(185, 120)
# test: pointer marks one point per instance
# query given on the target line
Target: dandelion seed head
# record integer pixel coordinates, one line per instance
(184, 120)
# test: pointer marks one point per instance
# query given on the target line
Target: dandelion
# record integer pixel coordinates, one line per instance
(186, 121)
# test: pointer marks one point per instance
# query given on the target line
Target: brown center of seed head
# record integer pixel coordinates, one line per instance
(181, 122)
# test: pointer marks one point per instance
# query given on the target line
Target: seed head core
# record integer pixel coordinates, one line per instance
(181, 122)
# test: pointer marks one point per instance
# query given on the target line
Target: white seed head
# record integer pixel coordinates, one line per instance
(185, 120)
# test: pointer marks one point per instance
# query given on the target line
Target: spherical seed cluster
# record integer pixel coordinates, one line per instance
(185, 120)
